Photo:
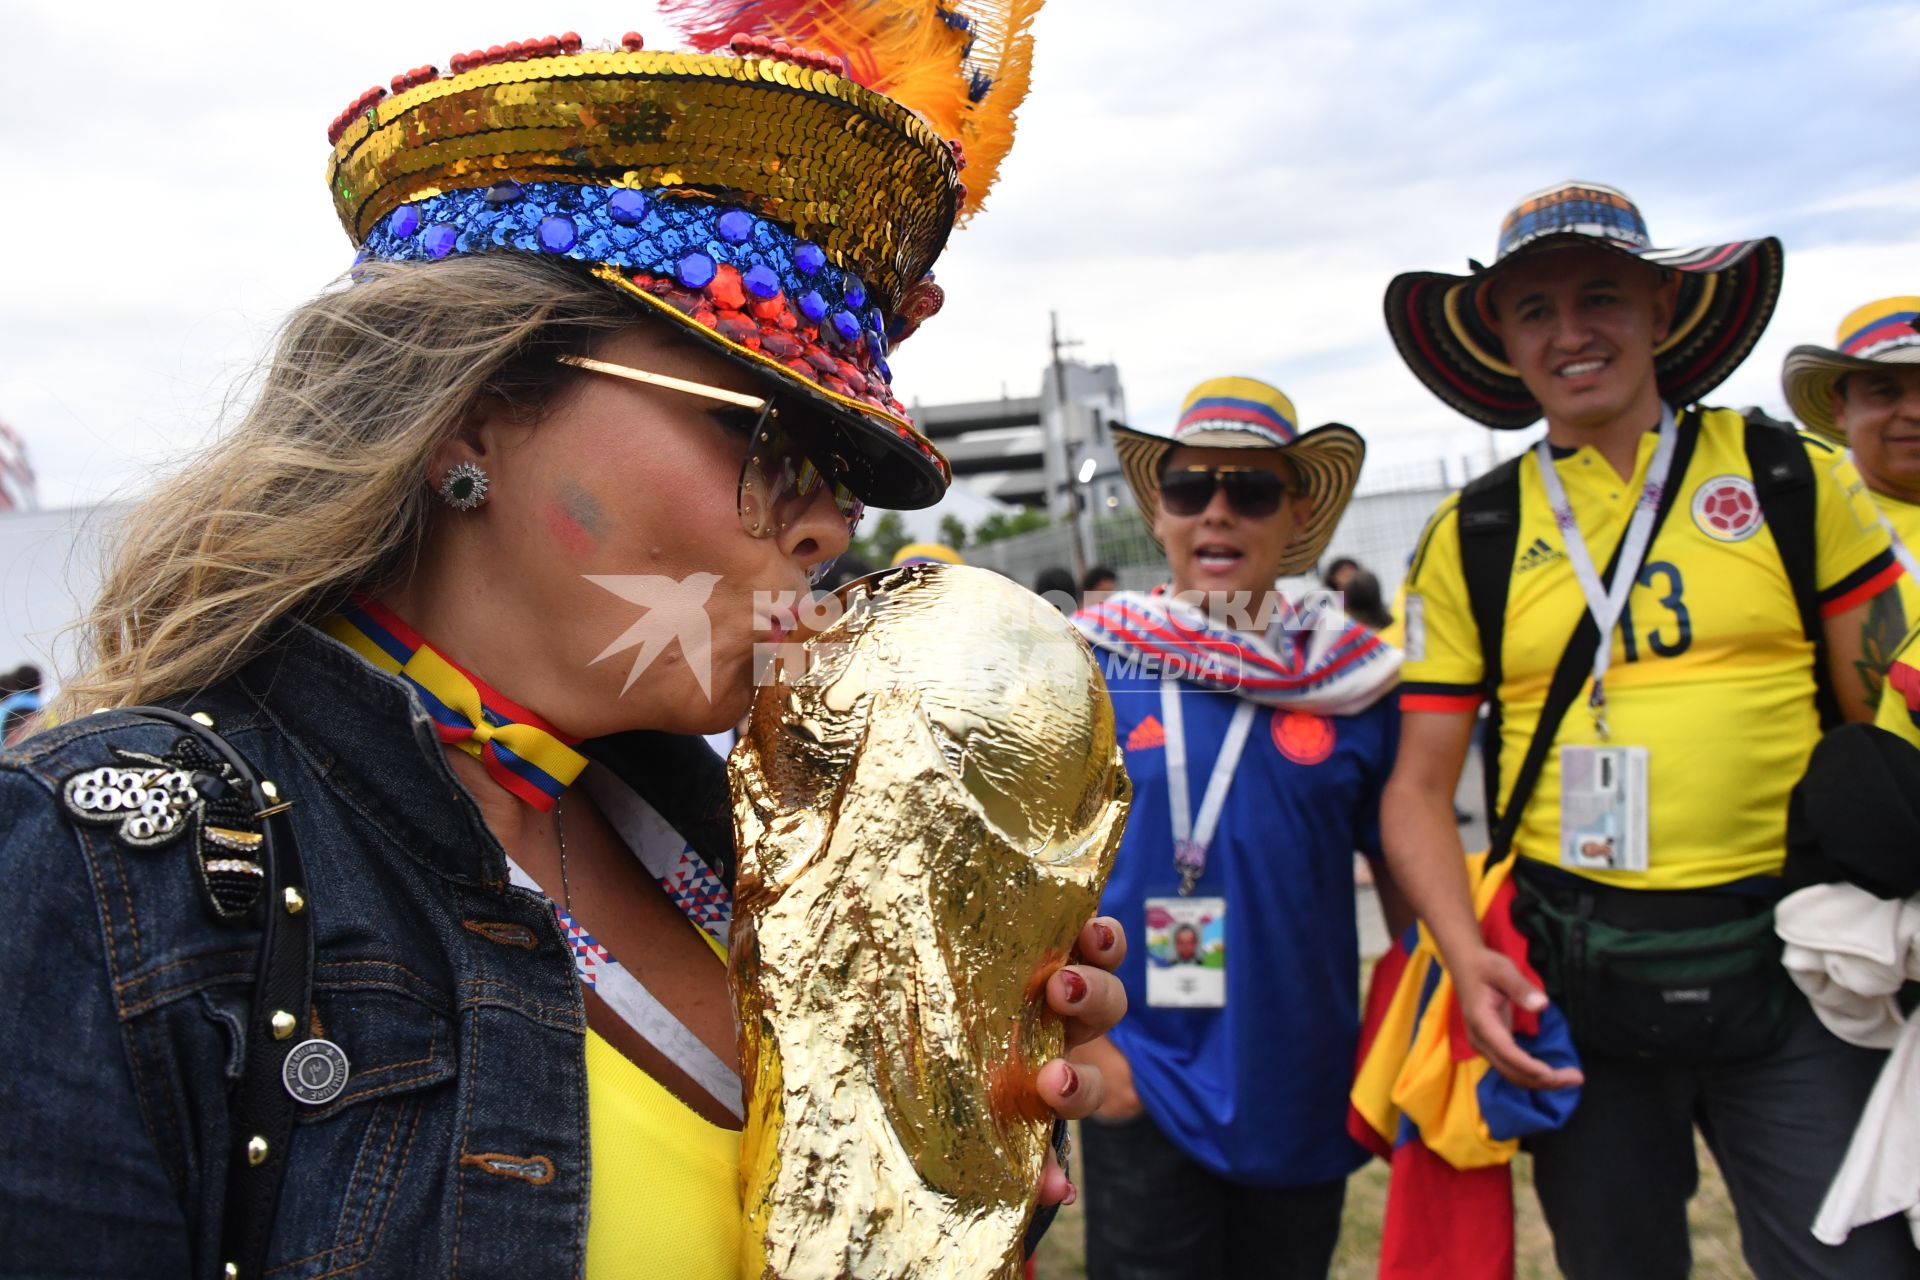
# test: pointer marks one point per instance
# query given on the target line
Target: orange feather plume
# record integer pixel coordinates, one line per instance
(963, 65)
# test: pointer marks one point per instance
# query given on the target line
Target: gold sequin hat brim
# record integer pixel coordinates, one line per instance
(782, 213)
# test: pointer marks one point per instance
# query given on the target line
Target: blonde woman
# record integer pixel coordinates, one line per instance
(493, 542)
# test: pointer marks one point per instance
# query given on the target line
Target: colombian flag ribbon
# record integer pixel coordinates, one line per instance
(522, 752)
(1449, 1124)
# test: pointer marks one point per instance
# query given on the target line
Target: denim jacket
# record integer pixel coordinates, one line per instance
(459, 1147)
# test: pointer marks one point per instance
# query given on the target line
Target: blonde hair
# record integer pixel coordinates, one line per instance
(321, 489)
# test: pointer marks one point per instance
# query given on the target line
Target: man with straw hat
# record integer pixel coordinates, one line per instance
(1864, 393)
(1258, 736)
(1645, 735)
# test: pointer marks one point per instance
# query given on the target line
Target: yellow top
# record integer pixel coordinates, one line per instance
(1711, 673)
(664, 1198)
(665, 1195)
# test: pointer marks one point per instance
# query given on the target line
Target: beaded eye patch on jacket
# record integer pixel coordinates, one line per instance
(150, 802)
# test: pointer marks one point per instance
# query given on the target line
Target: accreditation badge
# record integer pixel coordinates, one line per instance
(1603, 808)
(1187, 953)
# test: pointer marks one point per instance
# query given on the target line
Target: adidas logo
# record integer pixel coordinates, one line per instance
(1148, 733)
(1536, 555)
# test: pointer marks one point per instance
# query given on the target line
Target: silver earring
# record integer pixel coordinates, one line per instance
(464, 486)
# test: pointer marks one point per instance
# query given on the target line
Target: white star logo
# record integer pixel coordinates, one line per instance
(675, 610)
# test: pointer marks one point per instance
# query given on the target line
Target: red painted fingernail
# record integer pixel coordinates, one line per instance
(1076, 986)
(1105, 934)
(1072, 1086)
(1073, 1193)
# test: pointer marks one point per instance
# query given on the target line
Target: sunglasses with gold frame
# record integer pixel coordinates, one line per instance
(778, 478)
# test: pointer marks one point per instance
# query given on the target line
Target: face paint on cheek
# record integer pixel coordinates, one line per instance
(576, 521)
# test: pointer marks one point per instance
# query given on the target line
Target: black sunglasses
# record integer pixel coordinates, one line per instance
(1253, 493)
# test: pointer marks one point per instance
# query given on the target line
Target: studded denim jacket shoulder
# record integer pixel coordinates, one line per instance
(459, 1143)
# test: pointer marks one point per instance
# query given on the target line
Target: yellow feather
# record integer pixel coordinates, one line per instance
(904, 49)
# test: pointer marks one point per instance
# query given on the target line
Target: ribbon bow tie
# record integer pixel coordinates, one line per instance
(522, 752)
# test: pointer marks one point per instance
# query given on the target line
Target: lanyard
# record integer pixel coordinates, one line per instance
(1902, 552)
(1192, 835)
(1606, 605)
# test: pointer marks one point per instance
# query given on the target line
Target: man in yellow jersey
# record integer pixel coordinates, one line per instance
(1645, 738)
(1864, 393)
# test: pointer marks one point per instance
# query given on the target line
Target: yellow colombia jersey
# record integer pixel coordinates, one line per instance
(1711, 673)
(1900, 698)
(1905, 519)
(664, 1192)
(664, 1199)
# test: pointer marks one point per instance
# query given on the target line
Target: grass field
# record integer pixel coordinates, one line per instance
(1716, 1245)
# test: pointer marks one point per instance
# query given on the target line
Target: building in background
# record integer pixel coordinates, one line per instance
(50, 564)
(17, 489)
(1050, 452)
(1030, 451)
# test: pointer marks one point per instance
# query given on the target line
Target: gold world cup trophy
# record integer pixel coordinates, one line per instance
(926, 812)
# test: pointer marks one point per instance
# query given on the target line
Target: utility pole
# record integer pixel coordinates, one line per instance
(1059, 443)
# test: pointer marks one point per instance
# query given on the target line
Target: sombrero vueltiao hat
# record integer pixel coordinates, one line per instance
(1444, 330)
(1873, 337)
(926, 553)
(1246, 413)
(766, 198)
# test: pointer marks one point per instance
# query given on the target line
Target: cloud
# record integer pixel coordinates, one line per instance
(1220, 194)
(1196, 189)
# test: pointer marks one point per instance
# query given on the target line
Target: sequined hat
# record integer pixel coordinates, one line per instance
(1443, 324)
(1871, 337)
(761, 195)
(1246, 413)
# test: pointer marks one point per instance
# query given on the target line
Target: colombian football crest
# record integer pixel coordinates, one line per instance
(1727, 509)
(1303, 737)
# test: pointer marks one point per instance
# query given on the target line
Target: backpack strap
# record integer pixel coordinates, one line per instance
(1489, 526)
(261, 1106)
(1784, 483)
(1576, 662)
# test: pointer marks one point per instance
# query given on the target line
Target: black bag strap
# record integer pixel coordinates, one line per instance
(1783, 481)
(1576, 663)
(261, 1110)
(1489, 520)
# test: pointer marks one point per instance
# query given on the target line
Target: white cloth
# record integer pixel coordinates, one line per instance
(1850, 952)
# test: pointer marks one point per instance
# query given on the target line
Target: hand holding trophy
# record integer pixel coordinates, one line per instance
(926, 813)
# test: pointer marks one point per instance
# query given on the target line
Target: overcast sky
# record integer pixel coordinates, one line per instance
(1198, 188)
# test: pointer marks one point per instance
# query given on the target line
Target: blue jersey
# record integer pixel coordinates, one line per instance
(1255, 1091)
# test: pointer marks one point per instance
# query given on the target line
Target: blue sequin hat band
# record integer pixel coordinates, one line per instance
(673, 235)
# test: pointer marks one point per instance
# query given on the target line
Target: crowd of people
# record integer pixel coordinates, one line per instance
(20, 702)
(299, 978)
(1662, 608)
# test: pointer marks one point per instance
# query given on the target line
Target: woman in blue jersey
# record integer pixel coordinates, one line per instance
(1258, 736)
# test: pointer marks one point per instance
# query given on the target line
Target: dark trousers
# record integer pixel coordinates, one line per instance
(1614, 1183)
(1154, 1214)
